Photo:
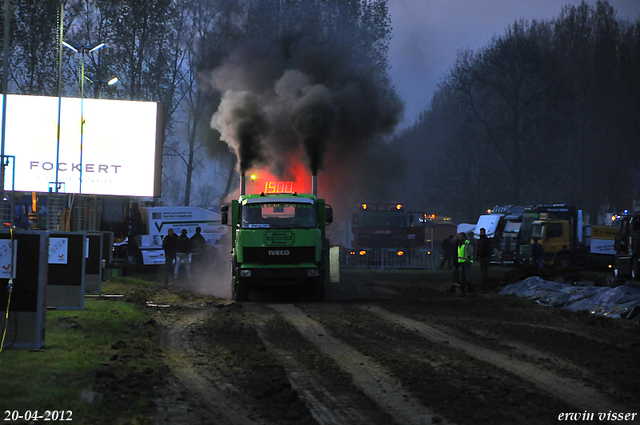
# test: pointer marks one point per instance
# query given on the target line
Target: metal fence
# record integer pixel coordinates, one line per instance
(391, 258)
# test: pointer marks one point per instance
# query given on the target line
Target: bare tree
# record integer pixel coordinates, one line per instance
(507, 89)
(210, 24)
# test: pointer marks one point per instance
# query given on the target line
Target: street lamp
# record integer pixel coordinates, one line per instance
(83, 50)
(100, 83)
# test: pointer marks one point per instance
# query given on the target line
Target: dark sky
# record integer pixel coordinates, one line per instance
(428, 33)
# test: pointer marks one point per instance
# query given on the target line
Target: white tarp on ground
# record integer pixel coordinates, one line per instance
(618, 302)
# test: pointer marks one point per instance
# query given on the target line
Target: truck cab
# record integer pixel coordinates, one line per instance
(556, 240)
(567, 242)
(627, 247)
(278, 240)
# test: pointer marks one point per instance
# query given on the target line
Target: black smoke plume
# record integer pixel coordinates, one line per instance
(295, 98)
(242, 120)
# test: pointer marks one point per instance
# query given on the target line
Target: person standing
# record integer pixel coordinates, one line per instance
(536, 253)
(484, 253)
(169, 243)
(447, 251)
(183, 249)
(455, 243)
(465, 261)
(198, 246)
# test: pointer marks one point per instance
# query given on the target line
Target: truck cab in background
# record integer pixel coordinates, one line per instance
(568, 242)
(502, 227)
(627, 244)
(139, 229)
(387, 235)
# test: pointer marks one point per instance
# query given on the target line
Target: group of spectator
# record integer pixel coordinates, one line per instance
(183, 250)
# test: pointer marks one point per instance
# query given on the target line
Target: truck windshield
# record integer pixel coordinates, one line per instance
(380, 220)
(279, 215)
(537, 231)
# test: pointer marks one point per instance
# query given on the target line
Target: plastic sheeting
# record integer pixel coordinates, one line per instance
(619, 302)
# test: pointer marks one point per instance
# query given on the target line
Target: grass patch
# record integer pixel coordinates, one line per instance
(108, 348)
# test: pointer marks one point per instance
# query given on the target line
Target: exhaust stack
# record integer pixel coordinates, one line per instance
(243, 182)
(314, 185)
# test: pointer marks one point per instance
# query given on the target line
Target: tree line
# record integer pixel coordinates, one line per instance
(166, 50)
(547, 112)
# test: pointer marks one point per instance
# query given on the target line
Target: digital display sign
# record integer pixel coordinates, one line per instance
(278, 187)
(118, 149)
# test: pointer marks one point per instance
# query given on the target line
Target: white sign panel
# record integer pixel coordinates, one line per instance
(7, 266)
(603, 246)
(58, 250)
(114, 152)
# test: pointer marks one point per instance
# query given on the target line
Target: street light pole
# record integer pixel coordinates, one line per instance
(99, 83)
(83, 50)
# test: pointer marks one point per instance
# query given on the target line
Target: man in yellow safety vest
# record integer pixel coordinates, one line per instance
(465, 261)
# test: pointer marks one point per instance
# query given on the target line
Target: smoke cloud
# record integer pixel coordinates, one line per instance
(241, 119)
(293, 99)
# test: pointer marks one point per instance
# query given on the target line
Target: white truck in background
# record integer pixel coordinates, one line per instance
(149, 225)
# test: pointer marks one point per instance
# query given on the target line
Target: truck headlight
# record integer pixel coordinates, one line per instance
(245, 273)
(313, 272)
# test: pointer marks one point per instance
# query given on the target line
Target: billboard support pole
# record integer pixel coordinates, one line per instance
(5, 85)
(61, 17)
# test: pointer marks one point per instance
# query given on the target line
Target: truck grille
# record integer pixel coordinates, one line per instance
(280, 255)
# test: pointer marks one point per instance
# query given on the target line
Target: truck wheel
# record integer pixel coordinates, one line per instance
(240, 292)
(318, 291)
(623, 268)
(564, 261)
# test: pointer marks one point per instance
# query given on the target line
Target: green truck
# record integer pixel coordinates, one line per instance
(278, 240)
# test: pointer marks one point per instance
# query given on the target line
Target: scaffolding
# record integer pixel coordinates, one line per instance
(56, 211)
(6, 209)
(86, 213)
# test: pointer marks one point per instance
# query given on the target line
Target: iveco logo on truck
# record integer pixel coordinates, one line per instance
(279, 252)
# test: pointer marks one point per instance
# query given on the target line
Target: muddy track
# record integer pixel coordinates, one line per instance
(570, 391)
(206, 396)
(378, 384)
(329, 402)
(425, 360)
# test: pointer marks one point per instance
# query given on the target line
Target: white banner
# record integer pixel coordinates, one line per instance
(603, 246)
(115, 148)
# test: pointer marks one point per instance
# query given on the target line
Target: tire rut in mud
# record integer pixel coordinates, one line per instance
(572, 392)
(327, 389)
(416, 359)
(596, 351)
(243, 381)
(373, 379)
(452, 382)
(204, 396)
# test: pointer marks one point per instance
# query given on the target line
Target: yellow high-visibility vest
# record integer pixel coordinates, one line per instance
(464, 253)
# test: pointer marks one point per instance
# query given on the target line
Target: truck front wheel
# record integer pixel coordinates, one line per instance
(318, 290)
(564, 261)
(635, 273)
(239, 289)
(240, 292)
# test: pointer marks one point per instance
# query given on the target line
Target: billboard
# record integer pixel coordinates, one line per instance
(118, 150)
